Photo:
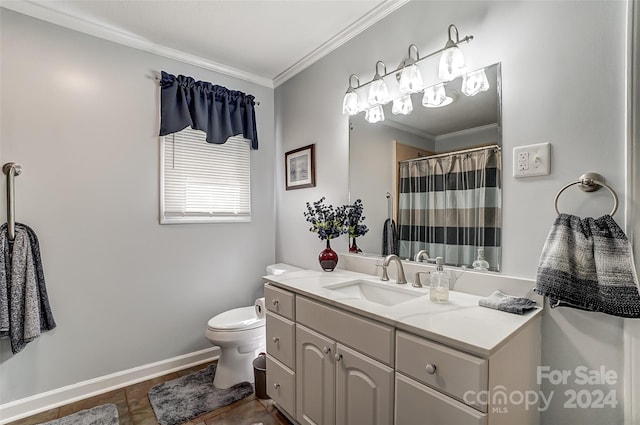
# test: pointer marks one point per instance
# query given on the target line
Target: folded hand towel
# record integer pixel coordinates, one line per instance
(588, 264)
(508, 303)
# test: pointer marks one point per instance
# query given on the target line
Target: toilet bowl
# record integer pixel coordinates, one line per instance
(241, 337)
(240, 334)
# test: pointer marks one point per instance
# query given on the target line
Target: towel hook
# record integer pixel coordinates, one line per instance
(389, 205)
(11, 169)
(589, 182)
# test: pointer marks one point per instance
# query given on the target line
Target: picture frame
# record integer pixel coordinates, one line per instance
(300, 169)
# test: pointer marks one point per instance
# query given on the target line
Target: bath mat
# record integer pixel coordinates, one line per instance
(107, 414)
(177, 401)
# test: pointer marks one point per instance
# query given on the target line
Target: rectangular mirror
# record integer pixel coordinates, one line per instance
(434, 175)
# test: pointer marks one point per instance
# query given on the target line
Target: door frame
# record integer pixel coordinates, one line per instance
(632, 212)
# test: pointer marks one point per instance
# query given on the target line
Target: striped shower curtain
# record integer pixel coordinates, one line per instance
(451, 206)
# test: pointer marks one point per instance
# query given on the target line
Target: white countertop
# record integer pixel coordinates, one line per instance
(461, 323)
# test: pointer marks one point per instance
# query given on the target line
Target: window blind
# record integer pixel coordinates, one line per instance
(205, 182)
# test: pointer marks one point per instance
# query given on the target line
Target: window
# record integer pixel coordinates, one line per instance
(204, 182)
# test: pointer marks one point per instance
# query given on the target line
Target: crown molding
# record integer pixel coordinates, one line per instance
(467, 132)
(42, 12)
(379, 12)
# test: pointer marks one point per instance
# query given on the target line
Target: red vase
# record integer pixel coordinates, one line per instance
(354, 248)
(328, 258)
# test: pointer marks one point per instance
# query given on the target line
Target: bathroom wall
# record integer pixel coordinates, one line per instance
(82, 116)
(372, 172)
(563, 67)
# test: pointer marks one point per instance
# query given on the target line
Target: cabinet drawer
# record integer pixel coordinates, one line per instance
(281, 385)
(417, 404)
(455, 372)
(365, 335)
(281, 338)
(280, 301)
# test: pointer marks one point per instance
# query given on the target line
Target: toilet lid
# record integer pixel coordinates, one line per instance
(236, 319)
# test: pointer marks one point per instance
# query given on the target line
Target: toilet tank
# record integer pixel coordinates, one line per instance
(281, 268)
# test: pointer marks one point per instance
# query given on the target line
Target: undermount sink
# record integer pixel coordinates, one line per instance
(376, 292)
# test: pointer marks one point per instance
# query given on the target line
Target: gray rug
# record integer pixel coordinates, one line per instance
(177, 401)
(107, 414)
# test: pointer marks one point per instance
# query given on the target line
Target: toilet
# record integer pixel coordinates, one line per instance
(240, 334)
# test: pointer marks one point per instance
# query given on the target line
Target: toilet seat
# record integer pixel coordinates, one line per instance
(238, 319)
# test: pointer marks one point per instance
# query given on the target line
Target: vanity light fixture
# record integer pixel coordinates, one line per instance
(374, 114)
(410, 81)
(452, 59)
(378, 92)
(410, 77)
(474, 82)
(350, 104)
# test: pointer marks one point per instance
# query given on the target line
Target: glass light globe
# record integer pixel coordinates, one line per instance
(402, 105)
(350, 103)
(451, 63)
(410, 79)
(475, 82)
(378, 92)
(434, 96)
(374, 115)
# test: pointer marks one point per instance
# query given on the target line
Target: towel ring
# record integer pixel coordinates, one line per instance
(589, 182)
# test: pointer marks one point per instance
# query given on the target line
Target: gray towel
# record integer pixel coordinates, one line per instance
(508, 303)
(24, 305)
(389, 238)
(588, 264)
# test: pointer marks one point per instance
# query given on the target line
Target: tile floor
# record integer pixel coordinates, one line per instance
(134, 407)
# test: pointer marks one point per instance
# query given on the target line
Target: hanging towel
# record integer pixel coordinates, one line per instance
(24, 305)
(588, 264)
(510, 304)
(389, 239)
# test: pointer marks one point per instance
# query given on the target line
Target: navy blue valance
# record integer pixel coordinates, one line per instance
(216, 110)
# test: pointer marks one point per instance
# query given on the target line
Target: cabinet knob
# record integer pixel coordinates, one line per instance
(276, 386)
(326, 350)
(274, 302)
(338, 357)
(276, 339)
(431, 368)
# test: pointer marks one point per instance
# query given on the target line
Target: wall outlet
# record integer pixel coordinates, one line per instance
(532, 160)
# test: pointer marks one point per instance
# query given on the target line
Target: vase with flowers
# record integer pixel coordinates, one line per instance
(329, 223)
(354, 223)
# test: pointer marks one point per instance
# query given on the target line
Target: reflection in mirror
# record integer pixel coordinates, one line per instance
(435, 175)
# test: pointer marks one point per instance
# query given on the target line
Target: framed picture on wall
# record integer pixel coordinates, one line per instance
(300, 170)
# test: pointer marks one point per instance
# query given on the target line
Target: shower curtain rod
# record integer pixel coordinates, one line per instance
(440, 155)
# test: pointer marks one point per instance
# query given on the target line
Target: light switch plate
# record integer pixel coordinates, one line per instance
(532, 160)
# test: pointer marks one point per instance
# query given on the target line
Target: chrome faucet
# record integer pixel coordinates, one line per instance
(420, 254)
(385, 264)
(416, 282)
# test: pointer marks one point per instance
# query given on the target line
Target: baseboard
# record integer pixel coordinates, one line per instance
(35, 404)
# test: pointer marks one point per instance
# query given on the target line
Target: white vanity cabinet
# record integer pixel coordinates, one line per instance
(280, 344)
(439, 385)
(337, 384)
(332, 365)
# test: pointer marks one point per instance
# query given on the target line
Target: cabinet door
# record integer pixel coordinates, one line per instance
(315, 377)
(281, 385)
(281, 334)
(417, 404)
(364, 389)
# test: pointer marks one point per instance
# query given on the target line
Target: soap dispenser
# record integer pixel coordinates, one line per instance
(480, 263)
(439, 292)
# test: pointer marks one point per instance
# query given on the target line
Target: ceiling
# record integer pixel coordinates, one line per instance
(265, 41)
